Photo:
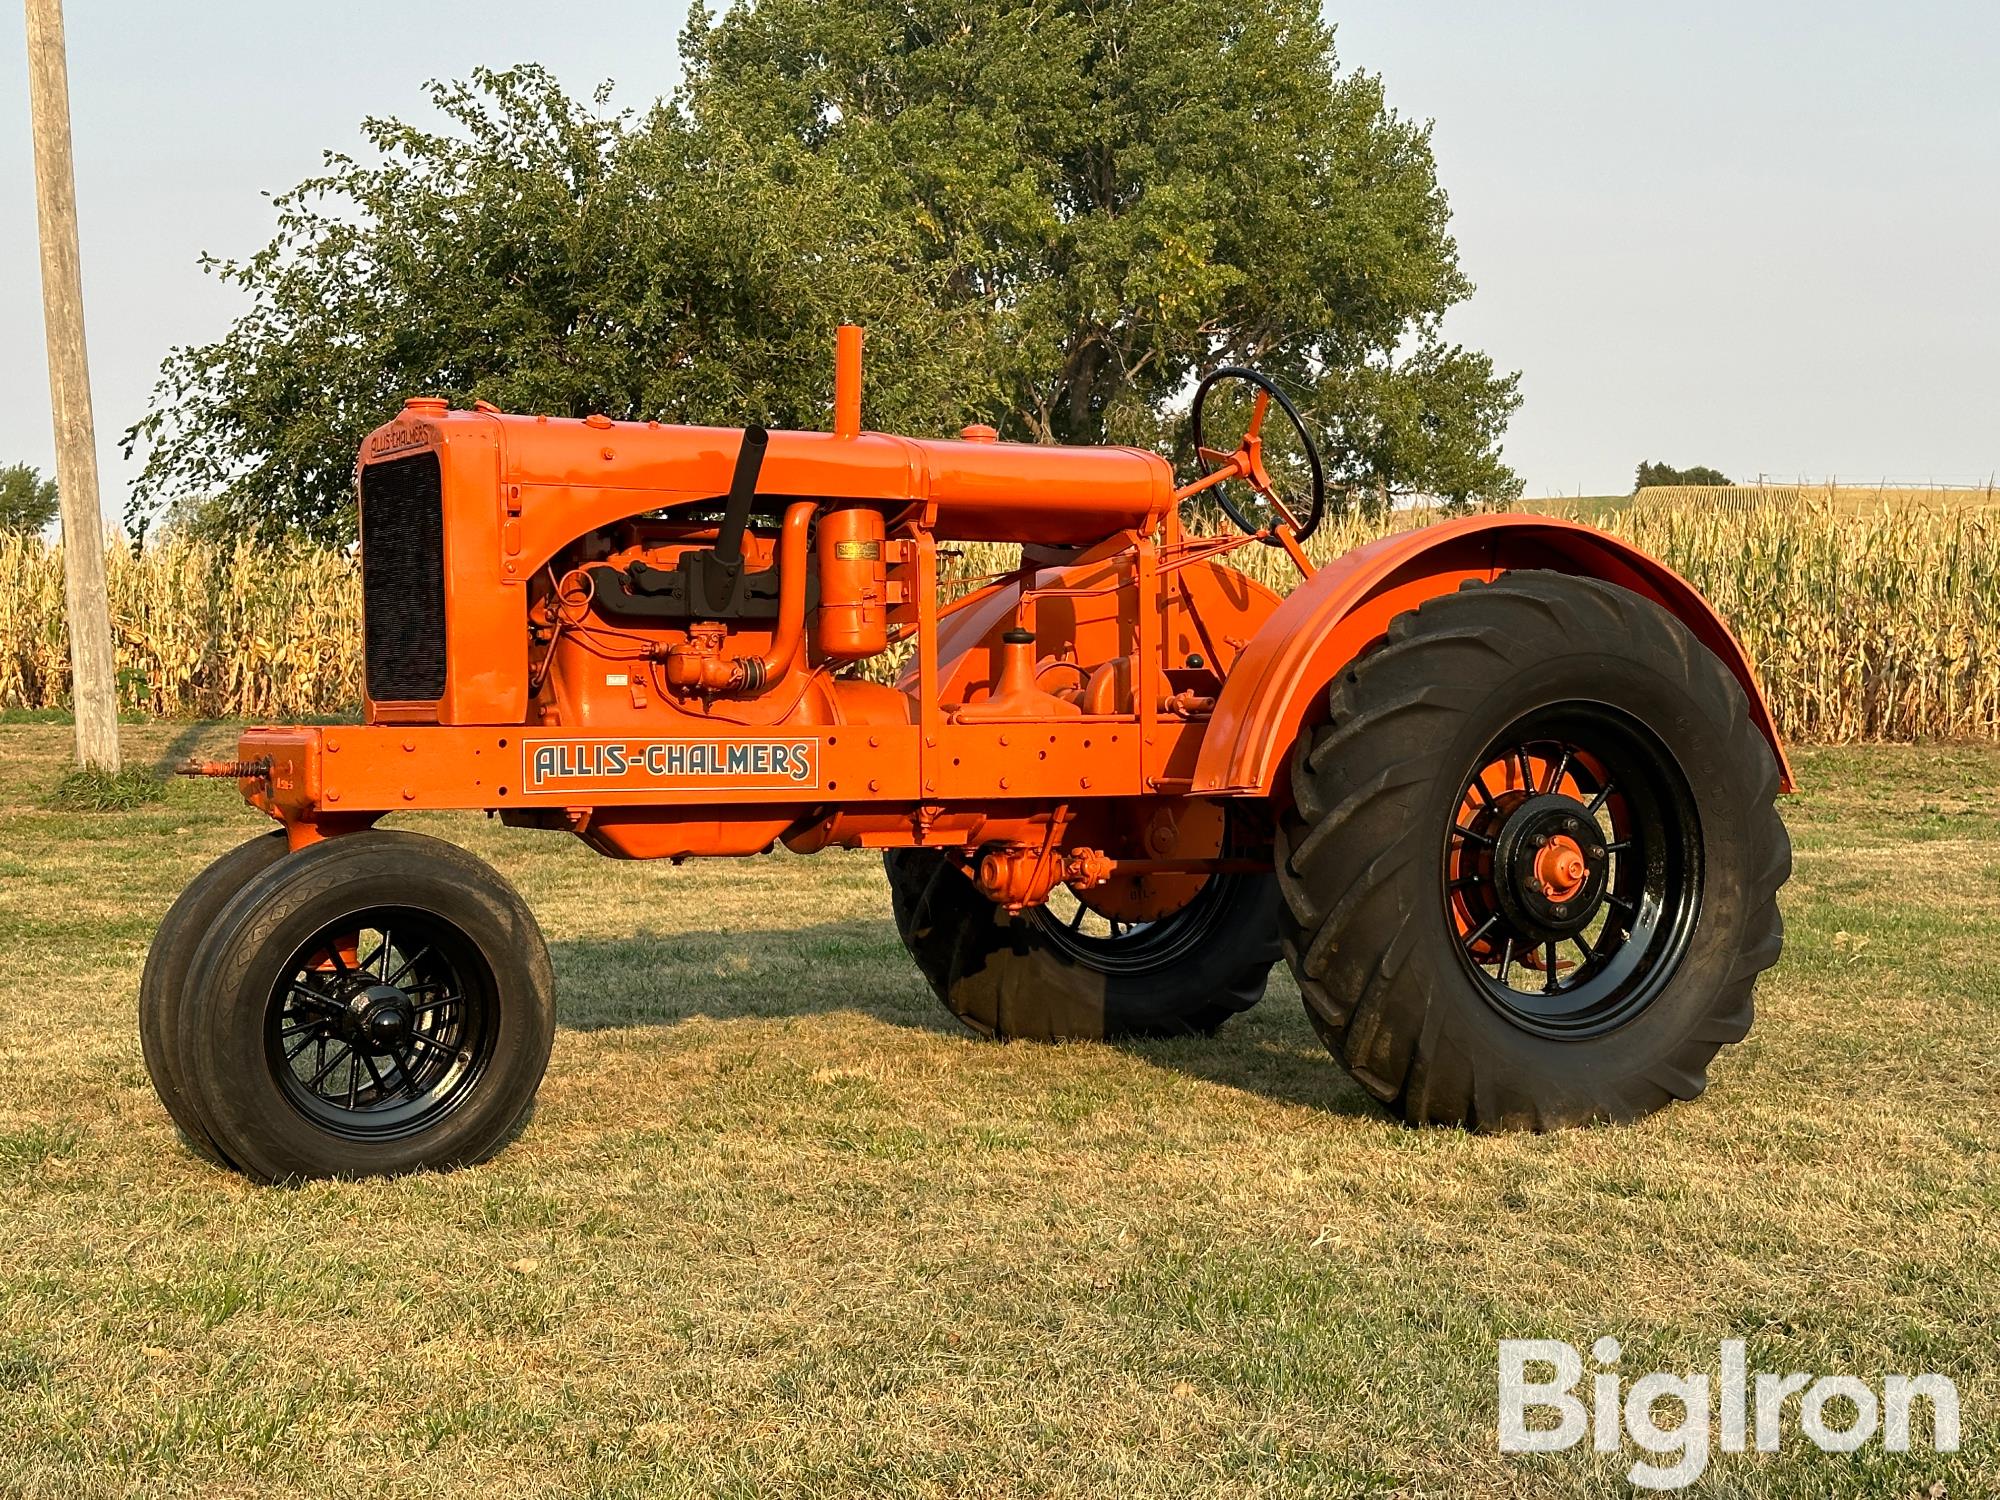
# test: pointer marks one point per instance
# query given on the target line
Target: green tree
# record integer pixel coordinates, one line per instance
(1131, 192)
(1651, 474)
(549, 256)
(1051, 215)
(27, 501)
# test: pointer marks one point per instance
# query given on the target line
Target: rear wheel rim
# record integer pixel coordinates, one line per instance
(381, 1024)
(1572, 870)
(1112, 945)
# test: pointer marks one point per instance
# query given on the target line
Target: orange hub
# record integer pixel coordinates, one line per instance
(1527, 859)
(1561, 868)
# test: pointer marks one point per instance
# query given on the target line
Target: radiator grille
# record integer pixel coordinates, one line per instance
(402, 579)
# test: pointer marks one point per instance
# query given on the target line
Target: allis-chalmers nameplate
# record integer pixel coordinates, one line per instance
(637, 764)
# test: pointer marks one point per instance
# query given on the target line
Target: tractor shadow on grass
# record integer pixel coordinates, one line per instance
(1271, 1052)
(660, 978)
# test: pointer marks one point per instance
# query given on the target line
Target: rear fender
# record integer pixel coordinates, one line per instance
(1280, 679)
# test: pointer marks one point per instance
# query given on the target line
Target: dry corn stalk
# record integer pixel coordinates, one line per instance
(1870, 626)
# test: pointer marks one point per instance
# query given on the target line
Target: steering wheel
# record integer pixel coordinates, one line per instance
(1247, 462)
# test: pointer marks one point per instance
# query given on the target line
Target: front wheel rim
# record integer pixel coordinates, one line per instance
(1572, 870)
(381, 1024)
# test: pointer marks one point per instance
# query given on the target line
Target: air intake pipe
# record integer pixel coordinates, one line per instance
(692, 669)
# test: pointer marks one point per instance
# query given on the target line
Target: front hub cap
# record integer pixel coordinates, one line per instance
(380, 1016)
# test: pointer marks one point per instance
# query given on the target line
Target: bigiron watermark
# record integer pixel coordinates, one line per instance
(1543, 1411)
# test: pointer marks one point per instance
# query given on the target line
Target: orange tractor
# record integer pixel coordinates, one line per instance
(1499, 790)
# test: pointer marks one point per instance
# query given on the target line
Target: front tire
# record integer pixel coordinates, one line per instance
(1029, 977)
(164, 979)
(373, 1004)
(1531, 872)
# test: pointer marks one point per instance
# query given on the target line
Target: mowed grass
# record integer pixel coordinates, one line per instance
(778, 1227)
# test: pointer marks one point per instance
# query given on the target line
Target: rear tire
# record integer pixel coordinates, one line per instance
(373, 1004)
(1443, 827)
(1016, 977)
(164, 978)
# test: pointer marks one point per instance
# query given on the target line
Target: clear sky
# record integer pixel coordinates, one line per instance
(1758, 235)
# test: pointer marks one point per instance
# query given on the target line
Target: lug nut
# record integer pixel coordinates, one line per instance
(1535, 841)
(1597, 851)
(1561, 911)
(1534, 885)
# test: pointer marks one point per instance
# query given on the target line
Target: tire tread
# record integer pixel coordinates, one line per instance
(1345, 847)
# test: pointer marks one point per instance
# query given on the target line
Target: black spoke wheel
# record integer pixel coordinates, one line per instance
(372, 1004)
(1062, 971)
(1532, 863)
(1572, 870)
(1115, 945)
(381, 1023)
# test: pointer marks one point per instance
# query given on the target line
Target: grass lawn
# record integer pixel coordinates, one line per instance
(779, 1227)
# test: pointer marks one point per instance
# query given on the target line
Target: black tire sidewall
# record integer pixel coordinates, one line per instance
(230, 987)
(1375, 790)
(163, 981)
(1004, 976)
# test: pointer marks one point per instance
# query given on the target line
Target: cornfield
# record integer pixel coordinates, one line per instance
(1863, 627)
(201, 631)
(1842, 499)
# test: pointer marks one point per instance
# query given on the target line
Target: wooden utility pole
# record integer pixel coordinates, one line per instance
(93, 673)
